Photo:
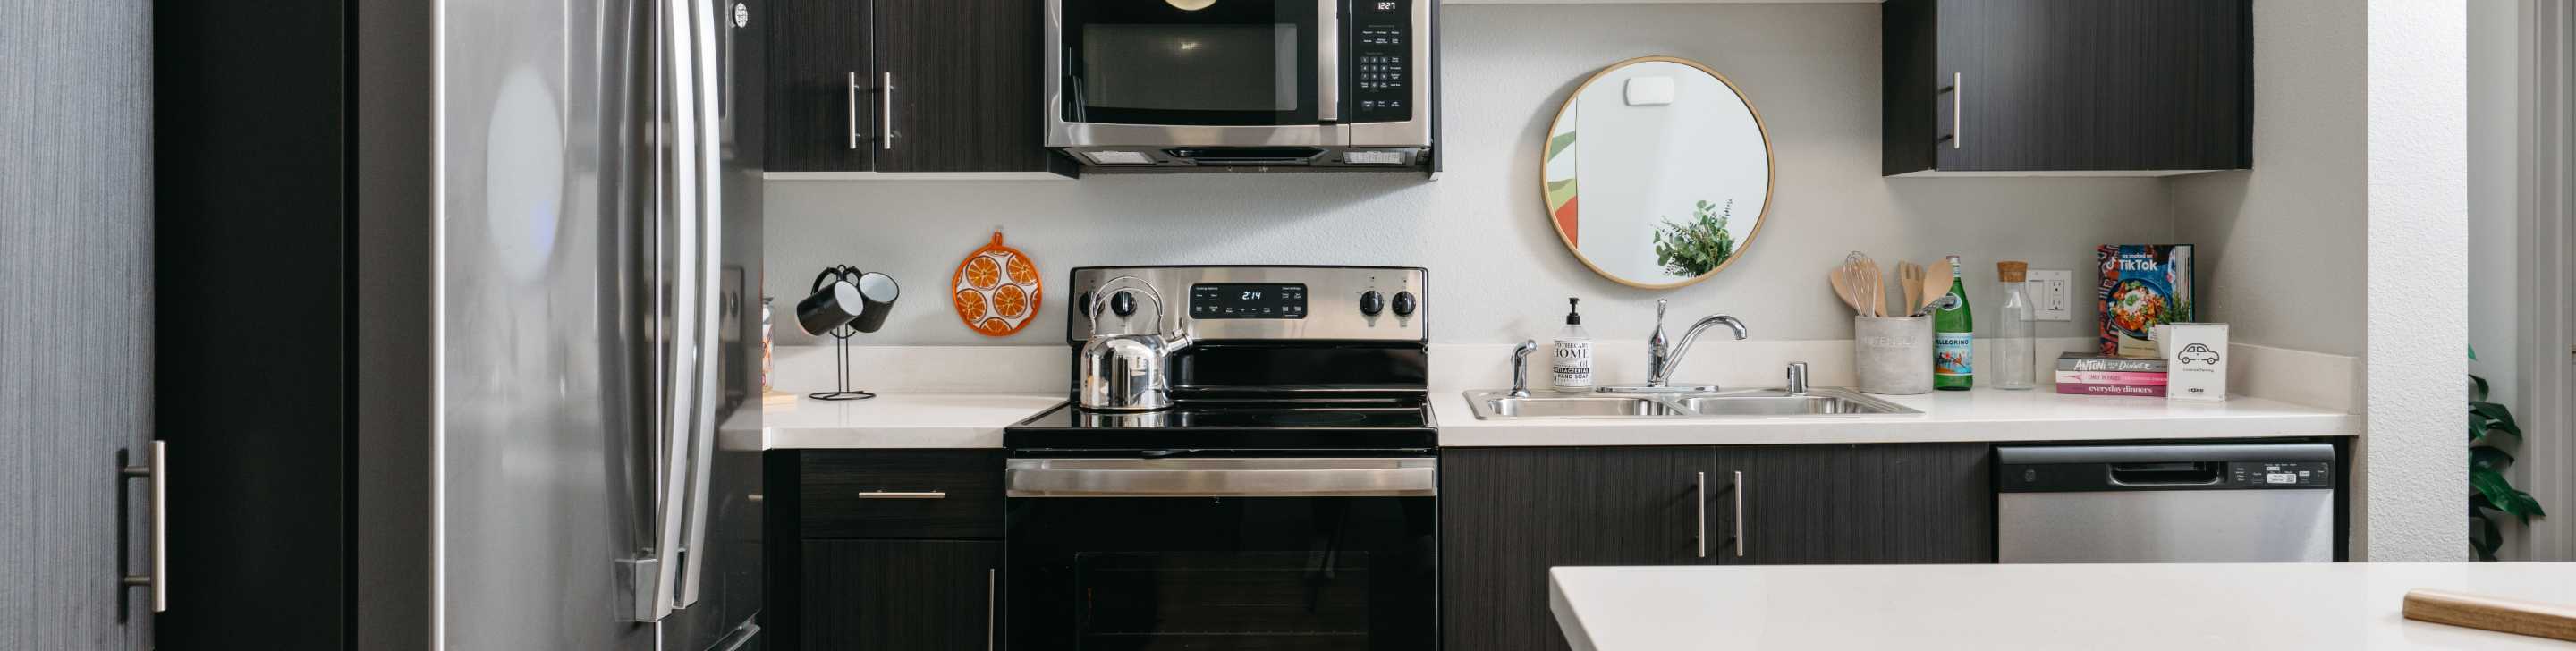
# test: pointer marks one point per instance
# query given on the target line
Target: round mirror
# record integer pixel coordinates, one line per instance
(1656, 172)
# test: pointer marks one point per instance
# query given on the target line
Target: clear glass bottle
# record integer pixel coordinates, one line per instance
(2013, 365)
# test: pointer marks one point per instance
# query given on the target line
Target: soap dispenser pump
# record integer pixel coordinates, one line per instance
(1573, 351)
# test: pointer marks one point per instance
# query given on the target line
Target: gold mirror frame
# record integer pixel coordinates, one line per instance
(1770, 178)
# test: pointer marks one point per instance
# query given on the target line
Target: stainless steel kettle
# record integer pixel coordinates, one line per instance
(1125, 372)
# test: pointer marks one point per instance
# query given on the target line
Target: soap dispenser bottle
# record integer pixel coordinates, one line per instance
(1573, 352)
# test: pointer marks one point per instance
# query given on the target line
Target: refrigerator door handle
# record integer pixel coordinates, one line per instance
(710, 261)
(680, 197)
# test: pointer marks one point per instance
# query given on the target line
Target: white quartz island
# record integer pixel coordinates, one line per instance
(2101, 607)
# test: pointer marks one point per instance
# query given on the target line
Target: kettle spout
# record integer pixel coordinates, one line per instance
(1183, 336)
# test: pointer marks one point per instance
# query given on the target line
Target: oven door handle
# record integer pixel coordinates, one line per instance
(1257, 477)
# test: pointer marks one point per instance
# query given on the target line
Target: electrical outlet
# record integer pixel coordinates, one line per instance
(2052, 292)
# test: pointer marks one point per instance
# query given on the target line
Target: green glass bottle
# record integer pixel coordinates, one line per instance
(1953, 332)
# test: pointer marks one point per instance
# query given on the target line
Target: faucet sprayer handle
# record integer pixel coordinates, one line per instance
(1520, 367)
(1660, 304)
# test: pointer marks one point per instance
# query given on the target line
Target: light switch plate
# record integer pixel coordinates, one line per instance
(2053, 292)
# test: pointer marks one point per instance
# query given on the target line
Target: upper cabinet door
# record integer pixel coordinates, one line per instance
(2068, 85)
(818, 121)
(965, 76)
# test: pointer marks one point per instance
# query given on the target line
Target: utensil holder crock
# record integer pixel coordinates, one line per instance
(1892, 355)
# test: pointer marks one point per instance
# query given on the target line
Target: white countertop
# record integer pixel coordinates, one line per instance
(1980, 415)
(975, 420)
(2099, 607)
(899, 420)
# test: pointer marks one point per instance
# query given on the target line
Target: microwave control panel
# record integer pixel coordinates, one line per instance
(1381, 39)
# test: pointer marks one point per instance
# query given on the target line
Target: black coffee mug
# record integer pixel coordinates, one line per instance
(844, 296)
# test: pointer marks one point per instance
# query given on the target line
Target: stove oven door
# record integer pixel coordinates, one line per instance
(1267, 554)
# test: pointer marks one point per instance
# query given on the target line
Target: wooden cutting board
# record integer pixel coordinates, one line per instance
(2502, 615)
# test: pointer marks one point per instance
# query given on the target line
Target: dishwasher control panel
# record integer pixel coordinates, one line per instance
(2290, 474)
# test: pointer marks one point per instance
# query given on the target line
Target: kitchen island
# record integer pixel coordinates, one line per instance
(2103, 607)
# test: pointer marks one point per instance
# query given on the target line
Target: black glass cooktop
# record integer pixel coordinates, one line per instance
(1229, 426)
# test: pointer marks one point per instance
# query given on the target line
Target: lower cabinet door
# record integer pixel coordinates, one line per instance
(902, 595)
(1509, 514)
(1858, 504)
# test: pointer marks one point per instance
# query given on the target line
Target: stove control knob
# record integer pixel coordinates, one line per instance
(1404, 304)
(1371, 302)
(1122, 303)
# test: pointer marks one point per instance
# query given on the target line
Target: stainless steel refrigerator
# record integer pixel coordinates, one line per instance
(596, 343)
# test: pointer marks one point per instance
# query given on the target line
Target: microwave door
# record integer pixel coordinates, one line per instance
(1196, 63)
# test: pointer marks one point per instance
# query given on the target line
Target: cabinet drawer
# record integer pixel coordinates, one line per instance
(900, 493)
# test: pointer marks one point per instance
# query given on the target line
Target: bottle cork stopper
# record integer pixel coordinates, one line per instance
(2013, 271)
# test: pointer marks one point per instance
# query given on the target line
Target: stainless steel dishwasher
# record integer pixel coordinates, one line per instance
(2269, 502)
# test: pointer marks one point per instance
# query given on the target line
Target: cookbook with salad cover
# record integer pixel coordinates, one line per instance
(2143, 285)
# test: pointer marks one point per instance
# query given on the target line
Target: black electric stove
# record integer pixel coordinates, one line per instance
(1287, 500)
(1329, 359)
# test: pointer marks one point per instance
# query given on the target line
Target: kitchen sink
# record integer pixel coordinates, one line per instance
(1743, 403)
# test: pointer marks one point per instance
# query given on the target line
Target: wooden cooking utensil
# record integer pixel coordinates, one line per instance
(2502, 615)
(1910, 276)
(1877, 287)
(1842, 288)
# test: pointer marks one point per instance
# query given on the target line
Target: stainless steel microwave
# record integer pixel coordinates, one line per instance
(1168, 84)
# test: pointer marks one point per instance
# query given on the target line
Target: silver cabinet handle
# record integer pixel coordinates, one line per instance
(903, 495)
(1328, 60)
(992, 586)
(1739, 514)
(1703, 514)
(885, 95)
(156, 471)
(1958, 110)
(853, 92)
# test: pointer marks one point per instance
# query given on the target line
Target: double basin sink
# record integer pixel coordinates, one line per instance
(1741, 403)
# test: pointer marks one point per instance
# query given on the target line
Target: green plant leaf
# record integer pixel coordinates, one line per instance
(2489, 457)
(2500, 492)
(2497, 418)
(2477, 388)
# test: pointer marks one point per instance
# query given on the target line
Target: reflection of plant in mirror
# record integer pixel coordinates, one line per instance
(1689, 250)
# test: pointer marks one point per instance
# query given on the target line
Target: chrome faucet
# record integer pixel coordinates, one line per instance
(1661, 360)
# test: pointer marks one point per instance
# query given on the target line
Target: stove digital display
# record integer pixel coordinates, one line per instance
(1247, 301)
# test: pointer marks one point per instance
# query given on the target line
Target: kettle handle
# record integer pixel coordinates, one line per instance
(1100, 298)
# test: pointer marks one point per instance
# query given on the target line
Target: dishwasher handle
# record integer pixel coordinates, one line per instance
(2169, 473)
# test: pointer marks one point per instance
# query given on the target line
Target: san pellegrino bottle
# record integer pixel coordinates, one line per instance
(1953, 363)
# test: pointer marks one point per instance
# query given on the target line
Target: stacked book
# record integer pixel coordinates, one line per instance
(2088, 374)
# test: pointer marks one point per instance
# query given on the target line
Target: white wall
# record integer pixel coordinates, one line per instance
(2418, 281)
(2281, 244)
(1498, 269)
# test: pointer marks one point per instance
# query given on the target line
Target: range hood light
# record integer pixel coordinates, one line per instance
(1189, 5)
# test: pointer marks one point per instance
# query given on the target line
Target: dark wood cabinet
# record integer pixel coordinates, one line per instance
(901, 595)
(884, 550)
(906, 86)
(1908, 503)
(822, 76)
(966, 85)
(2067, 86)
(1508, 514)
